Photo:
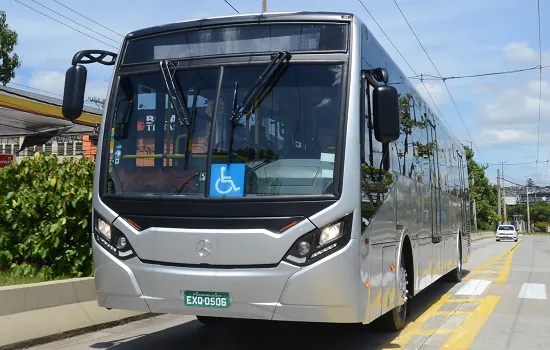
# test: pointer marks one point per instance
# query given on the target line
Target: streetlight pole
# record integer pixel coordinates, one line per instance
(474, 210)
(499, 198)
(504, 196)
(528, 214)
(264, 6)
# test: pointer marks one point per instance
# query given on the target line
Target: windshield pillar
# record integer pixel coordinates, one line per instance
(213, 132)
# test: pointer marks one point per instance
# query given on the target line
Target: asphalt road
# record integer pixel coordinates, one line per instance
(500, 304)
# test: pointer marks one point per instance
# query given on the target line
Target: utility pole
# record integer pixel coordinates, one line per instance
(474, 204)
(528, 214)
(499, 198)
(504, 196)
(264, 6)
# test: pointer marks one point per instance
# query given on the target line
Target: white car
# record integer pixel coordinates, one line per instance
(507, 232)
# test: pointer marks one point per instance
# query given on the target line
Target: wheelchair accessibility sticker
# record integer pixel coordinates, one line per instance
(227, 180)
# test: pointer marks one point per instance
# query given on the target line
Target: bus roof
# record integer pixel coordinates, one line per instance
(244, 18)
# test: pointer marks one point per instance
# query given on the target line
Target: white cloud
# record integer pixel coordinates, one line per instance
(520, 52)
(436, 89)
(53, 81)
(506, 137)
(515, 107)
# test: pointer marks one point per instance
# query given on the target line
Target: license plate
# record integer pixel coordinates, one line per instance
(218, 300)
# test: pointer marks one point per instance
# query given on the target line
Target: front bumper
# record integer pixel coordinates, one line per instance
(506, 237)
(326, 291)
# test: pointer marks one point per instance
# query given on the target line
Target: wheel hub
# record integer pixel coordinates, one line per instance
(403, 291)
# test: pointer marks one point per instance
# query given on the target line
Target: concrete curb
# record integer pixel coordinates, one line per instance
(42, 326)
(477, 236)
(34, 313)
(36, 296)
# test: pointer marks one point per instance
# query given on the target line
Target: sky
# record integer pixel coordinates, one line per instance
(500, 113)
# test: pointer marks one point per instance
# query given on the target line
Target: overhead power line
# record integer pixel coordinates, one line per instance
(75, 22)
(433, 77)
(88, 18)
(439, 73)
(514, 183)
(411, 68)
(540, 78)
(66, 25)
(387, 37)
(233, 7)
(520, 163)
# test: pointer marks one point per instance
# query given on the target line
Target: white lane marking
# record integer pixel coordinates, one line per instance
(532, 291)
(473, 287)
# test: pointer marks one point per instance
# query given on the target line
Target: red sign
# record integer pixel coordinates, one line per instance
(5, 159)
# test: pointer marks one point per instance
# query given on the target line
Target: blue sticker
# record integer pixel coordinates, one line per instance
(227, 180)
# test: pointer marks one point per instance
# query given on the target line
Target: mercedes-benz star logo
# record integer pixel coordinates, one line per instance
(204, 248)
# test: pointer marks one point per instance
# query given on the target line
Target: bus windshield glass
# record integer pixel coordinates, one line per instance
(241, 39)
(285, 145)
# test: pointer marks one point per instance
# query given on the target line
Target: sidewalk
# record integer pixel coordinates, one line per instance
(51, 309)
(482, 235)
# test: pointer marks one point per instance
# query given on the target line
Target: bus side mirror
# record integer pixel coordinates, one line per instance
(386, 114)
(73, 94)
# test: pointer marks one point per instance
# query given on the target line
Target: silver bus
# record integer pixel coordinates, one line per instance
(275, 166)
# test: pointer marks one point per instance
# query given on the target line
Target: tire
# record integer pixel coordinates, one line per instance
(455, 275)
(213, 321)
(395, 319)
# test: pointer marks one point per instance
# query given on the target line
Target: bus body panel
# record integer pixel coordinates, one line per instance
(229, 247)
(115, 283)
(355, 284)
(284, 292)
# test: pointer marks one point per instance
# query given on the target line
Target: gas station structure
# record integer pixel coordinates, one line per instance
(31, 122)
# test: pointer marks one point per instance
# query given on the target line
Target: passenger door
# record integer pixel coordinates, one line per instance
(436, 201)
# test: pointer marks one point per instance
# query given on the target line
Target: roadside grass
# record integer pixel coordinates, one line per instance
(7, 280)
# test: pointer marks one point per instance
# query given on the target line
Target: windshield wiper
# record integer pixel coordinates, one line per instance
(173, 92)
(180, 104)
(261, 88)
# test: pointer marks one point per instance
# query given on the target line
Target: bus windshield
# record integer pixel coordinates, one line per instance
(285, 145)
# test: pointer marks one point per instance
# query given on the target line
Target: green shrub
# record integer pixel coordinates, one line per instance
(541, 226)
(45, 211)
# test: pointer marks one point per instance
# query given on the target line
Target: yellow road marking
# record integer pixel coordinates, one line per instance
(462, 300)
(449, 313)
(504, 259)
(429, 332)
(503, 277)
(414, 328)
(463, 336)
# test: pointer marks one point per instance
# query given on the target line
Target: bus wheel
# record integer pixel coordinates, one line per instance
(455, 275)
(395, 319)
(212, 321)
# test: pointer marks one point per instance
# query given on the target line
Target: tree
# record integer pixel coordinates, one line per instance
(8, 40)
(483, 192)
(530, 182)
(99, 102)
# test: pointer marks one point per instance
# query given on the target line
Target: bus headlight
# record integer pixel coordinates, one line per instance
(110, 238)
(104, 228)
(321, 242)
(330, 233)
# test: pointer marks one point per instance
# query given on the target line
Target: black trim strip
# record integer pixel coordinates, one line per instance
(209, 208)
(208, 266)
(273, 224)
